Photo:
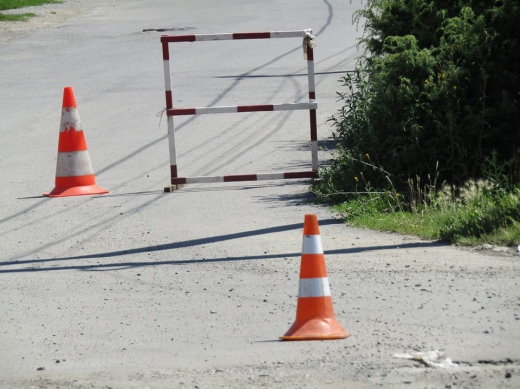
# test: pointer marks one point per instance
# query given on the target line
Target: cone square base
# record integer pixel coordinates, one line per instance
(316, 329)
(84, 190)
(315, 337)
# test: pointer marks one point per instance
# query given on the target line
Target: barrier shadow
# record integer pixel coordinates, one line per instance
(141, 264)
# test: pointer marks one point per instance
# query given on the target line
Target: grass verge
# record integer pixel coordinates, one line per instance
(16, 17)
(17, 4)
(430, 226)
(480, 213)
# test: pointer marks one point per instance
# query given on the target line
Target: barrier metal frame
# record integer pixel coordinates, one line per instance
(310, 105)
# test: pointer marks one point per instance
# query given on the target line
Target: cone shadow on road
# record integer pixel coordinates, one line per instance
(132, 265)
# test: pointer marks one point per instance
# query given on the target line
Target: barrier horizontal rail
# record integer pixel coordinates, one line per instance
(242, 108)
(228, 36)
(243, 177)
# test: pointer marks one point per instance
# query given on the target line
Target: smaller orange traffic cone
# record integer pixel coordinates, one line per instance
(315, 318)
(74, 174)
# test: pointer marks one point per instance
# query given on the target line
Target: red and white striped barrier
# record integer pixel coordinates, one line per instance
(242, 108)
(310, 105)
(241, 177)
(227, 37)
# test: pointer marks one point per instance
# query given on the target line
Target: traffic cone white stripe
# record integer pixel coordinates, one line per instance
(75, 163)
(311, 244)
(70, 119)
(314, 287)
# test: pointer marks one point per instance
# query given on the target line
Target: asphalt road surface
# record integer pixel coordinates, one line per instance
(144, 289)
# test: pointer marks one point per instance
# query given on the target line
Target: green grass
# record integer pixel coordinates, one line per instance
(16, 4)
(429, 226)
(16, 17)
(425, 226)
(489, 216)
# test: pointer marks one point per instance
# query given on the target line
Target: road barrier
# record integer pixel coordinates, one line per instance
(310, 105)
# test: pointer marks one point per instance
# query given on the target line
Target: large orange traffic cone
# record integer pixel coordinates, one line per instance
(315, 318)
(74, 174)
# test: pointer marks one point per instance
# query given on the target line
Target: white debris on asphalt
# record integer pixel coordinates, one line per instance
(435, 358)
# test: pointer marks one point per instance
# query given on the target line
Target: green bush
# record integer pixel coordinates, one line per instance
(438, 84)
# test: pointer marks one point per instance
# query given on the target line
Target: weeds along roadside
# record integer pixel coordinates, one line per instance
(477, 212)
